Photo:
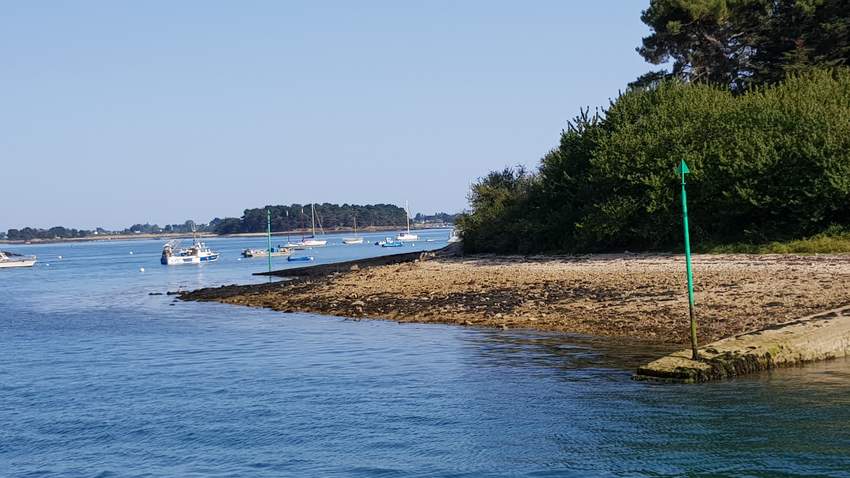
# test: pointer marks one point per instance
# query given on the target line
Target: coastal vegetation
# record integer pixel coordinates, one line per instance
(60, 232)
(297, 216)
(740, 44)
(770, 159)
(284, 218)
(834, 240)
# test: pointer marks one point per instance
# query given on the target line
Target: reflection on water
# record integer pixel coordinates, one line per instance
(97, 378)
(573, 352)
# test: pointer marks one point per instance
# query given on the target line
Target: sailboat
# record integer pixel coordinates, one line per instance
(353, 240)
(406, 236)
(312, 241)
(309, 241)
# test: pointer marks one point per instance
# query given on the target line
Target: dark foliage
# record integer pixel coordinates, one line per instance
(770, 164)
(744, 43)
(297, 216)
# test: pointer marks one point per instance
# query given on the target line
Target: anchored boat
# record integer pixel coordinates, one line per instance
(275, 252)
(406, 236)
(197, 253)
(10, 259)
(311, 241)
(300, 258)
(353, 240)
(389, 242)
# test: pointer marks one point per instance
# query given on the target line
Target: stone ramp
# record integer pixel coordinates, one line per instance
(319, 270)
(821, 336)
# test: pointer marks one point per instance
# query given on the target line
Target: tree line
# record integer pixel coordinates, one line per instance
(284, 218)
(328, 216)
(60, 232)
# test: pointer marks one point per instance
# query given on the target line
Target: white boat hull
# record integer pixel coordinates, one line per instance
(23, 263)
(178, 260)
(358, 240)
(406, 237)
(314, 243)
(249, 253)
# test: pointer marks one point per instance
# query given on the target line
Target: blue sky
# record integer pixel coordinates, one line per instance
(160, 111)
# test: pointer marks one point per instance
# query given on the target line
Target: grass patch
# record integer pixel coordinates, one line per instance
(824, 243)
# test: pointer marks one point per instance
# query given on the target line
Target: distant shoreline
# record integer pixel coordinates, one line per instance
(182, 235)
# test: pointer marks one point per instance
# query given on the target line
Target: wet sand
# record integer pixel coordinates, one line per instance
(624, 295)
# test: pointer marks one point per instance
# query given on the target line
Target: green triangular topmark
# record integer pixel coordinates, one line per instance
(683, 168)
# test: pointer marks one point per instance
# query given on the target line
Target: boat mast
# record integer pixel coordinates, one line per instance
(313, 218)
(407, 215)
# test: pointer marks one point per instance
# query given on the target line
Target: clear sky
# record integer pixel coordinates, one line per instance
(160, 111)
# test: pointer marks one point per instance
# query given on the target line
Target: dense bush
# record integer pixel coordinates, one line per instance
(770, 164)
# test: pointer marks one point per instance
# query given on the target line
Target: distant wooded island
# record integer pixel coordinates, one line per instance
(283, 218)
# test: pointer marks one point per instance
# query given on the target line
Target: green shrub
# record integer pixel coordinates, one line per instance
(772, 164)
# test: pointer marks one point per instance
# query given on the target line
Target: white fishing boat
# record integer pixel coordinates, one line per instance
(197, 253)
(353, 240)
(10, 259)
(454, 237)
(406, 236)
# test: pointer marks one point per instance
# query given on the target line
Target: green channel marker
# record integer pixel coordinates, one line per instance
(683, 170)
(269, 231)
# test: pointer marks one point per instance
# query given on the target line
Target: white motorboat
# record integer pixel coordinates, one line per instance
(406, 236)
(197, 253)
(10, 259)
(454, 237)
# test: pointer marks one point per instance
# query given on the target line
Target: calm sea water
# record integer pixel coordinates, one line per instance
(97, 378)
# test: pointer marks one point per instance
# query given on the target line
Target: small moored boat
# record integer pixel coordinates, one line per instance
(275, 252)
(312, 241)
(197, 253)
(300, 258)
(406, 236)
(353, 240)
(391, 243)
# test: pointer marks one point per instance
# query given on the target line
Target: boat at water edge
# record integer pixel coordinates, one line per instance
(275, 252)
(300, 258)
(197, 253)
(10, 259)
(311, 241)
(406, 236)
(389, 242)
(353, 240)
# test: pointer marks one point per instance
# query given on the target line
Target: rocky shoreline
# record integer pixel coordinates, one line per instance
(621, 295)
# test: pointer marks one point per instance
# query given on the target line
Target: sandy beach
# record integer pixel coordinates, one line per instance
(624, 295)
